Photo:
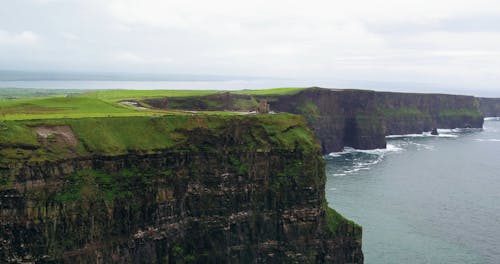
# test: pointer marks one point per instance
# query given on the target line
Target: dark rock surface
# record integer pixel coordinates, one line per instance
(356, 118)
(361, 119)
(212, 201)
(490, 106)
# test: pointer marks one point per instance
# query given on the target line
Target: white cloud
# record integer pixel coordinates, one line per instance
(15, 39)
(130, 57)
(70, 36)
(380, 40)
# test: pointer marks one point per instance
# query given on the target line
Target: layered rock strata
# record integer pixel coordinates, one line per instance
(230, 190)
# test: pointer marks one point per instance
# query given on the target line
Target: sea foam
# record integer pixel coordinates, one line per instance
(487, 140)
(368, 158)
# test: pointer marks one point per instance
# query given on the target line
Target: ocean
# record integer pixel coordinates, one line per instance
(424, 199)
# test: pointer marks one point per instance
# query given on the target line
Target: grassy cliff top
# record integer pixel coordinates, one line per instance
(53, 139)
(273, 91)
(121, 95)
(81, 106)
(49, 128)
(44, 104)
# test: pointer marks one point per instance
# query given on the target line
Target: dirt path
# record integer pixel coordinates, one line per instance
(64, 132)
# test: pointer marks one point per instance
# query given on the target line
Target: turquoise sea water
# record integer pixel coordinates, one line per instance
(425, 199)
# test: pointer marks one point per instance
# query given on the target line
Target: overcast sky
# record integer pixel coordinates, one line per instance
(439, 43)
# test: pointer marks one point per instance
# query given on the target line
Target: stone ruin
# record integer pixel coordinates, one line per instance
(263, 107)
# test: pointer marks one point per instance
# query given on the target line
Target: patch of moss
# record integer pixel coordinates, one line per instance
(402, 112)
(335, 221)
(121, 135)
(245, 104)
(309, 110)
(274, 91)
(460, 113)
(17, 134)
(92, 185)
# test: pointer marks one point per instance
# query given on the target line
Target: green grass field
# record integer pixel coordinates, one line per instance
(17, 93)
(66, 107)
(272, 91)
(30, 103)
(120, 95)
(120, 135)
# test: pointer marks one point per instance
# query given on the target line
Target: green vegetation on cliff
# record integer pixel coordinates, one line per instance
(16, 93)
(336, 222)
(120, 95)
(121, 135)
(309, 110)
(65, 107)
(88, 178)
(96, 185)
(463, 112)
(403, 112)
(274, 91)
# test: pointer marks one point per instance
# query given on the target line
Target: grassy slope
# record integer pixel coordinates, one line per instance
(274, 91)
(65, 107)
(120, 135)
(125, 129)
(119, 95)
(103, 103)
(15, 93)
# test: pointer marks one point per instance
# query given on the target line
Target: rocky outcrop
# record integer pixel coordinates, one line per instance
(490, 106)
(361, 119)
(407, 113)
(338, 118)
(236, 190)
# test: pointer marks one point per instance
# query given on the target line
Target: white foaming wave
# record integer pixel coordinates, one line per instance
(423, 146)
(489, 129)
(487, 140)
(377, 157)
(443, 133)
(352, 171)
(492, 118)
(348, 150)
(466, 130)
(444, 130)
(406, 135)
(366, 165)
(447, 136)
(393, 148)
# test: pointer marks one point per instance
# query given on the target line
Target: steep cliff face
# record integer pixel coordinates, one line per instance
(361, 119)
(338, 118)
(355, 118)
(219, 190)
(414, 113)
(490, 106)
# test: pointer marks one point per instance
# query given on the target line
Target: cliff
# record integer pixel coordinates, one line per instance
(354, 118)
(361, 119)
(172, 189)
(490, 107)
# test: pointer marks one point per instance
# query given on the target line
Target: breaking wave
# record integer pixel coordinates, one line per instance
(487, 140)
(443, 133)
(359, 159)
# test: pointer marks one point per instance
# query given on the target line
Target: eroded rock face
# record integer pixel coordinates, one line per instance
(362, 119)
(213, 203)
(490, 106)
(355, 118)
(338, 118)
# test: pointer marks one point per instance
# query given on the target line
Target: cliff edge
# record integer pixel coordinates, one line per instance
(341, 117)
(170, 189)
(490, 106)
